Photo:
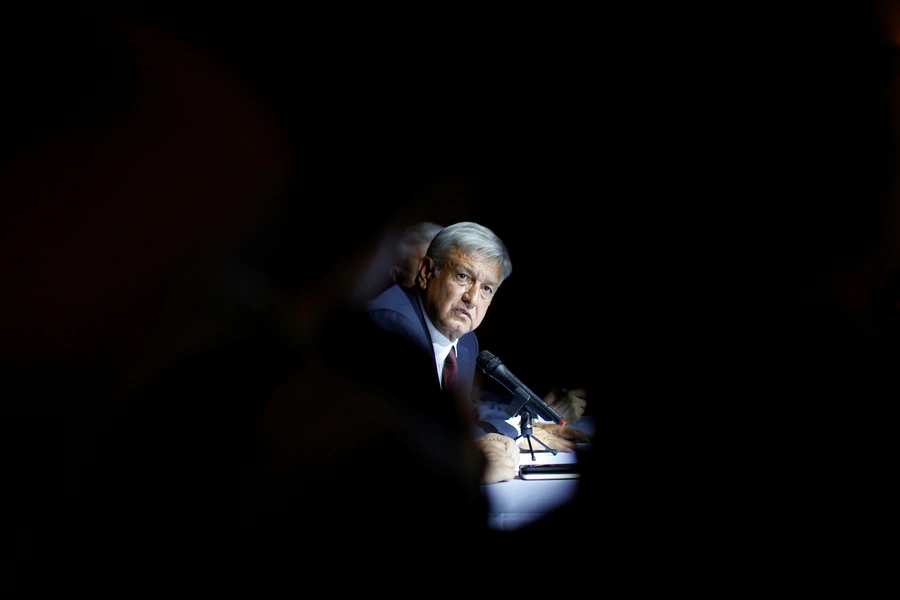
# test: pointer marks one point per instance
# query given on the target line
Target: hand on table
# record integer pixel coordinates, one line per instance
(501, 457)
(555, 437)
(570, 404)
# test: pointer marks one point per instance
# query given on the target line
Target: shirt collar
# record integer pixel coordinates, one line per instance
(439, 342)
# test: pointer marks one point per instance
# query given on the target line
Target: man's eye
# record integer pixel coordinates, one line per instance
(462, 276)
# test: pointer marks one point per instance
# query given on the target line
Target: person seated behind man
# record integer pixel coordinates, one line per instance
(404, 265)
(463, 268)
(410, 249)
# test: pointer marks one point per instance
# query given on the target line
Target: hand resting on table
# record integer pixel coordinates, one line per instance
(501, 457)
(555, 437)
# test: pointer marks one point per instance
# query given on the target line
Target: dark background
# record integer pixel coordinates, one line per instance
(701, 220)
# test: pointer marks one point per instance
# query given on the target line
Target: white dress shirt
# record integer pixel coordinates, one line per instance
(440, 344)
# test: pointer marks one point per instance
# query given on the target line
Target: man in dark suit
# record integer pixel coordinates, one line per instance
(456, 281)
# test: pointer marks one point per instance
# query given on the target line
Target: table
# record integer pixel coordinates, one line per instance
(514, 504)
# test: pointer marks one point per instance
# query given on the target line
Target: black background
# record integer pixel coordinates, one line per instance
(688, 209)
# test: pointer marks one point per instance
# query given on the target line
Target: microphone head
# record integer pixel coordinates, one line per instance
(487, 361)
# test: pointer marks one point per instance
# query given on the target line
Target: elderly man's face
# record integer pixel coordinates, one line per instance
(458, 298)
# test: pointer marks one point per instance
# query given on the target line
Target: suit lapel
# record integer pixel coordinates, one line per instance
(466, 349)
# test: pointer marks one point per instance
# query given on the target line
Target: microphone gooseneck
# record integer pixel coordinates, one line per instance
(522, 396)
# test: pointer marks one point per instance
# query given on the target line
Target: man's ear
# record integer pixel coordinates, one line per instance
(395, 270)
(426, 268)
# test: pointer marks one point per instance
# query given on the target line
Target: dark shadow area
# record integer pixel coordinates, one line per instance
(704, 235)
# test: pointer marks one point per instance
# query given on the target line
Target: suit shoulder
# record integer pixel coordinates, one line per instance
(393, 298)
(470, 342)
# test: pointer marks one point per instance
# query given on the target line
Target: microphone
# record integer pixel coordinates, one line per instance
(522, 396)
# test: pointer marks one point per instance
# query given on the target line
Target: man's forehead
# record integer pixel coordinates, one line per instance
(484, 268)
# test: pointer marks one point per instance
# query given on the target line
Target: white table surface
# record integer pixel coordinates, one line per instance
(519, 502)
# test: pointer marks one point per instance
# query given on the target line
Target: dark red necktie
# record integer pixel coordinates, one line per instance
(450, 370)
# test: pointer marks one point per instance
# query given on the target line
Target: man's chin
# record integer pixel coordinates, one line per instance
(455, 330)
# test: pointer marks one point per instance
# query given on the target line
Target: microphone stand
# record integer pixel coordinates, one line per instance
(526, 428)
